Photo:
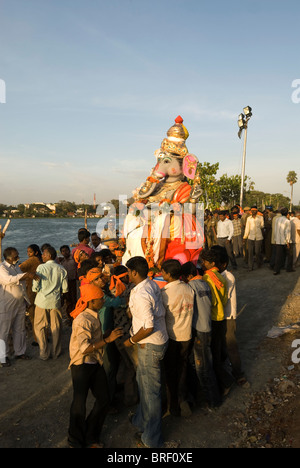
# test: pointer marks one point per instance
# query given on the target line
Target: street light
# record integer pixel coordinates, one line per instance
(243, 125)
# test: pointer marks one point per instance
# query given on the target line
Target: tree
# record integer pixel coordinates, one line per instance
(291, 179)
(229, 188)
(209, 185)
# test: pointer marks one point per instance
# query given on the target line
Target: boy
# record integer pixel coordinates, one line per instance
(201, 327)
(121, 287)
(232, 349)
(218, 286)
(86, 364)
(178, 300)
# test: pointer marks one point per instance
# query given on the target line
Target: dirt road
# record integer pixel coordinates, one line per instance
(36, 395)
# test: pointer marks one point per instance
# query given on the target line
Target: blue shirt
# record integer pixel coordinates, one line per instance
(53, 282)
(202, 305)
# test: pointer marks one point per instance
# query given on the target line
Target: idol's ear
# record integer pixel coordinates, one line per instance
(189, 166)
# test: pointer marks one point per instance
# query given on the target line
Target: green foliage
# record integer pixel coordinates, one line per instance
(230, 188)
(207, 172)
(292, 178)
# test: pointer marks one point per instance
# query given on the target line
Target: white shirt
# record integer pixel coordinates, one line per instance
(12, 289)
(295, 227)
(282, 234)
(254, 228)
(225, 228)
(147, 311)
(231, 306)
(178, 300)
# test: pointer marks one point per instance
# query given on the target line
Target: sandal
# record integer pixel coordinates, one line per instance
(96, 445)
(241, 381)
(5, 364)
(23, 357)
(138, 440)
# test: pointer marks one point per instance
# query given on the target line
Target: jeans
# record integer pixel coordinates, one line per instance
(149, 413)
(204, 367)
(86, 431)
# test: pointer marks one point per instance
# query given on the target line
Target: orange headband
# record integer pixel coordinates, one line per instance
(88, 293)
(93, 274)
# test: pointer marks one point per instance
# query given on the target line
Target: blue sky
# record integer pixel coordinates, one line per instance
(93, 86)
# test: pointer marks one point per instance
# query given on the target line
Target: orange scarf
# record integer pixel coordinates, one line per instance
(88, 293)
(116, 282)
(90, 276)
(214, 277)
(76, 257)
(197, 278)
(93, 274)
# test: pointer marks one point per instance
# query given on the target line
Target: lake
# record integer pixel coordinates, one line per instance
(55, 231)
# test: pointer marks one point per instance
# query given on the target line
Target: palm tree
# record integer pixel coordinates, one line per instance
(291, 179)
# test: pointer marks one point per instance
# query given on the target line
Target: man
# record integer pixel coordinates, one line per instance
(84, 240)
(268, 218)
(282, 238)
(244, 218)
(96, 243)
(149, 333)
(12, 306)
(224, 236)
(69, 264)
(277, 214)
(253, 233)
(109, 232)
(214, 221)
(296, 233)
(237, 241)
(52, 282)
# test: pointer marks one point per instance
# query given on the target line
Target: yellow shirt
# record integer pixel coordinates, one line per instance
(219, 296)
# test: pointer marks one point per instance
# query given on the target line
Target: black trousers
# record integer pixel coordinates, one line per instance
(86, 431)
(228, 246)
(218, 348)
(175, 363)
(282, 254)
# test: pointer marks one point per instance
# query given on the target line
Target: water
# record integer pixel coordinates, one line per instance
(55, 231)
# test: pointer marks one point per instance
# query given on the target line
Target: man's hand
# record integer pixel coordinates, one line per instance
(112, 336)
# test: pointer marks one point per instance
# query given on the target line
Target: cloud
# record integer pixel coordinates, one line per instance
(55, 165)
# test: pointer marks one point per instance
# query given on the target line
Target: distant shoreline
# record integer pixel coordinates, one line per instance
(51, 217)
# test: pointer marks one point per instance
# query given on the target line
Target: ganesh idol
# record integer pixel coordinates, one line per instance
(163, 222)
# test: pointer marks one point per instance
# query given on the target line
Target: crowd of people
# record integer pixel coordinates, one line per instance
(168, 340)
(268, 236)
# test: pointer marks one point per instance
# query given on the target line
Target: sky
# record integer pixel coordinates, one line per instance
(89, 88)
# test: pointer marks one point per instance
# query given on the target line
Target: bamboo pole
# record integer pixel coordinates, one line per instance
(0, 243)
(2, 233)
